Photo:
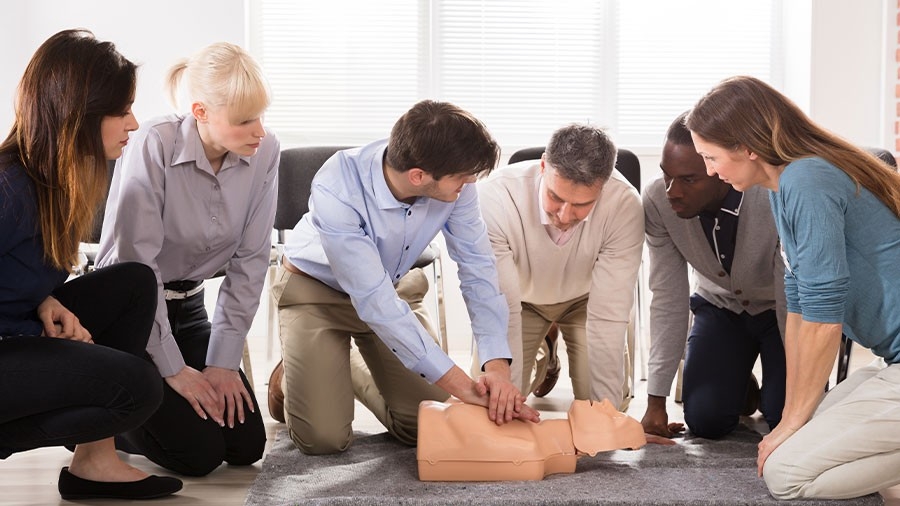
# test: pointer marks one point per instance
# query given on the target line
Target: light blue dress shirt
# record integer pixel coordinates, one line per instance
(357, 238)
(842, 252)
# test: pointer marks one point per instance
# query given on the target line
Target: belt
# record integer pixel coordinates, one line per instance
(180, 290)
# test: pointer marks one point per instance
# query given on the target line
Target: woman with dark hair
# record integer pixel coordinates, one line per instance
(73, 367)
(836, 208)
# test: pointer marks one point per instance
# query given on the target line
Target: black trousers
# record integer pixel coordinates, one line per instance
(56, 392)
(175, 437)
(721, 351)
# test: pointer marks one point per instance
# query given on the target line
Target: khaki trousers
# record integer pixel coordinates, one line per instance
(322, 376)
(851, 445)
(571, 318)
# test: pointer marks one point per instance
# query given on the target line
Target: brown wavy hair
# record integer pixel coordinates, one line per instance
(745, 111)
(71, 83)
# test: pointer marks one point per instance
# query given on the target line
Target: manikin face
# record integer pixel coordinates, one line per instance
(739, 167)
(114, 132)
(241, 139)
(565, 202)
(689, 188)
(447, 188)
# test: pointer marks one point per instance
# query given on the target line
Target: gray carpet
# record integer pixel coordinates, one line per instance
(378, 470)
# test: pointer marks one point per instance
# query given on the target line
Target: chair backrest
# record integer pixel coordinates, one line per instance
(885, 155)
(295, 175)
(627, 163)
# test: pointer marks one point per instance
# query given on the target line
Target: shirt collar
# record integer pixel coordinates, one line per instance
(189, 147)
(731, 204)
(383, 196)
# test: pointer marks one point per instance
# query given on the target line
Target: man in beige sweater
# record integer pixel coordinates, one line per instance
(567, 232)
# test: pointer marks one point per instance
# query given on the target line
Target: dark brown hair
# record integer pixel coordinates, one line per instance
(441, 139)
(71, 83)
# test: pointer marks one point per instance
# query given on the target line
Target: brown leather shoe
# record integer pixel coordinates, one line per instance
(553, 364)
(276, 396)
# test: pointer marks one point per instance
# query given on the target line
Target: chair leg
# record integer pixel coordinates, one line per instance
(438, 267)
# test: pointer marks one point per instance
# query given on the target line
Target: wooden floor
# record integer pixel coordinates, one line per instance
(30, 478)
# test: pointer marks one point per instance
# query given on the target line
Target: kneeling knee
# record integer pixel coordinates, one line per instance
(779, 480)
(710, 426)
(320, 443)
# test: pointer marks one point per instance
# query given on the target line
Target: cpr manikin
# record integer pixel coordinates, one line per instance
(457, 442)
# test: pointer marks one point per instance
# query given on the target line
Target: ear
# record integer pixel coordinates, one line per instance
(750, 154)
(543, 157)
(199, 112)
(417, 177)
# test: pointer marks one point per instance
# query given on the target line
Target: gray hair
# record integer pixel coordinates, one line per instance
(583, 154)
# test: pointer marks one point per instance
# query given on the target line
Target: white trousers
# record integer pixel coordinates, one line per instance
(851, 445)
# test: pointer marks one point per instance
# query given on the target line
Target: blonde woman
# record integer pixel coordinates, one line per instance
(194, 194)
(836, 208)
(72, 364)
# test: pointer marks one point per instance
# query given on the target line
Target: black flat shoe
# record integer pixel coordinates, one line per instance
(151, 487)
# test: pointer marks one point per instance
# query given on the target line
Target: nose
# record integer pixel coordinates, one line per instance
(258, 129)
(132, 123)
(673, 190)
(565, 213)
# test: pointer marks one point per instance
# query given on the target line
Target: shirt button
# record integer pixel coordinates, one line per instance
(721, 274)
(409, 213)
(407, 247)
(721, 256)
(207, 248)
(214, 218)
(216, 187)
(718, 227)
(738, 292)
(397, 276)
(745, 303)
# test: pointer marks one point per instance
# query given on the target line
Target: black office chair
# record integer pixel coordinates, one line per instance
(843, 361)
(295, 174)
(627, 163)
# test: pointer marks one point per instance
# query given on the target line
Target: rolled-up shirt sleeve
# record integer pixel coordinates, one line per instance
(817, 279)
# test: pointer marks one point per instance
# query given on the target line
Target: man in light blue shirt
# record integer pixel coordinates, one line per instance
(373, 210)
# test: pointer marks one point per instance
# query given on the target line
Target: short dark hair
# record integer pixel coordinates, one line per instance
(583, 154)
(441, 139)
(678, 132)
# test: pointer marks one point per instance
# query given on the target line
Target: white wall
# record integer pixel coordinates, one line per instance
(848, 47)
(153, 34)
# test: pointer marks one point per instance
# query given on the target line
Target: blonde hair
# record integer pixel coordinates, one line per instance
(222, 75)
(745, 111)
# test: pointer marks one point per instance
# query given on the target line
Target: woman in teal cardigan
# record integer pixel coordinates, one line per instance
(836, 208)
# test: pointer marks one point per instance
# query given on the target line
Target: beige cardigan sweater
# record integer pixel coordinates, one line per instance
(601, 260)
